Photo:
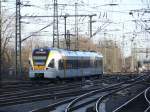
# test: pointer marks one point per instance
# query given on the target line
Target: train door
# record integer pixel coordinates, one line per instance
(51, 72)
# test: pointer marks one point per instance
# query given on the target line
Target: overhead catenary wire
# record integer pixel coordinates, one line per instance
(37, 32)
(95, 8)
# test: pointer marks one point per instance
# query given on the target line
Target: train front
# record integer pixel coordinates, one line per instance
(38, 63)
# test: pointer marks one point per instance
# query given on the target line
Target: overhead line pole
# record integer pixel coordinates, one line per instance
(91, 25)
(65, 30)
(68, 39)
(0, 44)
(76, 27)
(18, 40)
(55, 25)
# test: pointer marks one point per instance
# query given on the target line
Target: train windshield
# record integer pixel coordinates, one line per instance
(40, 56)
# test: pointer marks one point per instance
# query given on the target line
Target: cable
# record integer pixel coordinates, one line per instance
(36, 32)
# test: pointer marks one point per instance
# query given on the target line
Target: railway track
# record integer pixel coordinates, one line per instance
(139, 103)
(17, 89)
(21, 86)
(14, 87)
(14, 84)
(51, 92)
(147, 97)
(87, 101)
(26, 87)
(103, 98)
(65, 102)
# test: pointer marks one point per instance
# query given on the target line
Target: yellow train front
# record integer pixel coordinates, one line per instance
(59, 63)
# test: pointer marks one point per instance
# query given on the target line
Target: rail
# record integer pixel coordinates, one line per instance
(112, 92)
(73, 105)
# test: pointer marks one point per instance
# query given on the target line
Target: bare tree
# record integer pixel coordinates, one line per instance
(8, 30)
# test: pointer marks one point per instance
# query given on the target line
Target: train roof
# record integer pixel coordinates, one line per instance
(73, 53)
(80, 53)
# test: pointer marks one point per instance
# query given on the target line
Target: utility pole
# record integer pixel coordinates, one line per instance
(67, 34)
(91, 26)
(0, 44)
(123, 46)
(123, 56)
(76, 28)
(55, 26)
(90, 21)
(65, 17)
(132, 56)
(105, 52)
(18, 40)
(68, 39)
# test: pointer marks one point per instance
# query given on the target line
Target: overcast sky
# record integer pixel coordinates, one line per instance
(116, 19)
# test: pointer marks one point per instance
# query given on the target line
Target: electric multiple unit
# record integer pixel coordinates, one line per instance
(60, 63)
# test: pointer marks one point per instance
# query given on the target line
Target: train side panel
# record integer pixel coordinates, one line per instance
(69, 67)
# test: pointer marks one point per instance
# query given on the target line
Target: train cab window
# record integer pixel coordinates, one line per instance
(51, 64)
(29, 62)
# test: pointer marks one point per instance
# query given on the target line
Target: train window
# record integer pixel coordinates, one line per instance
(99, 63)
(51, 64)
(94, 63)
(70, 64)
(82, 63)
(76, 64)
(61, 64)
(87, 64)
(91, 63)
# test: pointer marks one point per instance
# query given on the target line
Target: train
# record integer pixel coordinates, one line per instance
(51, 63)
